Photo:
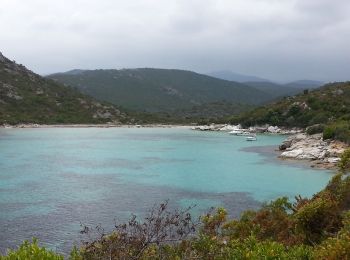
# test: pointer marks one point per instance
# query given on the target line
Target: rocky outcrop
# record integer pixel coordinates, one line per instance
(254, 129)
(212, 127)
(322, 153)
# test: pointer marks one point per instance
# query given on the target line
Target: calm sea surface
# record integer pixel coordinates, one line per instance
(52, 180)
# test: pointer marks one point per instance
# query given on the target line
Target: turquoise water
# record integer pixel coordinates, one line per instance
(51, 180)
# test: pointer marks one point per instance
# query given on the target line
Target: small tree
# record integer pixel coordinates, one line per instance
(136, 240)
(344, 164)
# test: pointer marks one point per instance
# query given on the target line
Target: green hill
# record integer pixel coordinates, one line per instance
(26, 97)
(281, 90)
(274, 89)
(159, 90)
(327, 109)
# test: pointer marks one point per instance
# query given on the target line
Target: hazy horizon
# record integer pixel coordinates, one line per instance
(203, 73)
(278, 40)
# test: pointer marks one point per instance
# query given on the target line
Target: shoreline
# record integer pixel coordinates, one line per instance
(93, 126)
(271, 154)
(298, 147)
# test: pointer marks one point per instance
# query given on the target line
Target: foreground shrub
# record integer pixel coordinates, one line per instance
(31, 251)
(338, 247)
(316, 228)
(141, 239)
(344, 164)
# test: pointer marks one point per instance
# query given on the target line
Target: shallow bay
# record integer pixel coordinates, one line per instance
(53, 179)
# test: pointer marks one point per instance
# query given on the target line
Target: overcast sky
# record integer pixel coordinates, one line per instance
(276, 39)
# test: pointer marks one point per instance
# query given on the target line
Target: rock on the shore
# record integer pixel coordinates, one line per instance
(286, 144)
(312, 147)
(253, 129)
(273, 129)
(215, 127)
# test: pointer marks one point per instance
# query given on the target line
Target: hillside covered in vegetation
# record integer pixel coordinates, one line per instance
(160, 90)
(26, 97)
(326, 110)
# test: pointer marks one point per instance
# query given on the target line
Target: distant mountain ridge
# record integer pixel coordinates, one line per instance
(233, 76)
(26, 97)
(305, 84)
(242, 78)
(159, 90)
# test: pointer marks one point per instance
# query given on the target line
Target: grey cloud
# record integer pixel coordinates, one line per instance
(278, 39)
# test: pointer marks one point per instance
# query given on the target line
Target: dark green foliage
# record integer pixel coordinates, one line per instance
(344, 164)
(328, 133)
(323, 105)
(201, 114)
(327, 107)
(26, 97)
(337, 247)
(32, 251)
(276, 91)
(179, 92)
(339, 130)
(315, 129)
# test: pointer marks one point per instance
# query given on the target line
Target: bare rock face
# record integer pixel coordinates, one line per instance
(293, 153)
(14, 96)
(312, 147)
(10, 91)
(103, 114)
(273, 129)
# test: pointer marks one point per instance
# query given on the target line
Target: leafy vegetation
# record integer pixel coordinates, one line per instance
(201, 114)
(161, 90)
(315, 228)
(277, 90)
(31, 251)
(324, 110)
(339, 130)
(26, 97)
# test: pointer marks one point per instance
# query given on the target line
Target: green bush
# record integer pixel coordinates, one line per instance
(315, 129)
(339, 130)
(344, 163)
(328, 133)
(31, 251)
(337, 247)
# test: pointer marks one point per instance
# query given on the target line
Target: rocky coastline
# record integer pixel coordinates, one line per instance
(254, 129)
(323, 154)
(320, 153)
